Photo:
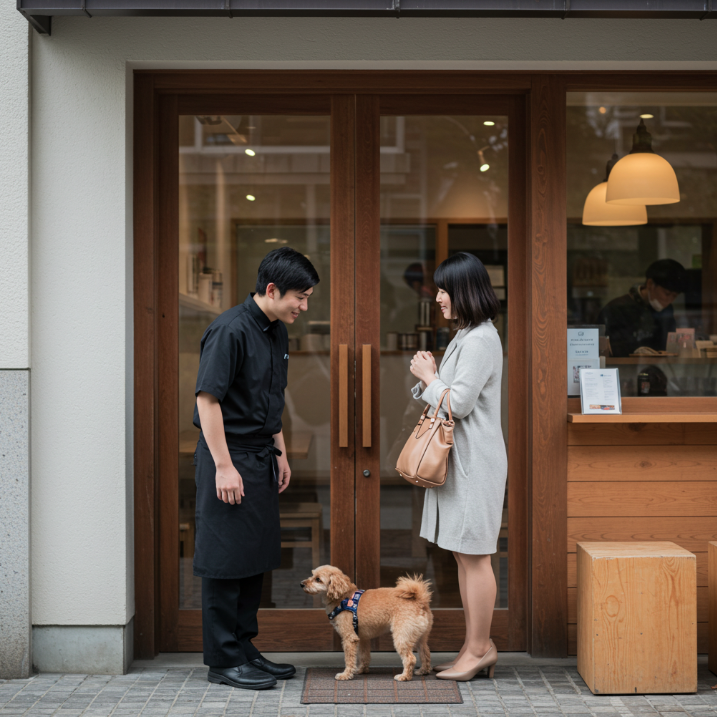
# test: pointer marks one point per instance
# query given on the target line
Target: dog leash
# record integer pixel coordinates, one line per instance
(351, 605)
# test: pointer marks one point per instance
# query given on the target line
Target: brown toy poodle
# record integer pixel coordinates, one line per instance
(404, 611)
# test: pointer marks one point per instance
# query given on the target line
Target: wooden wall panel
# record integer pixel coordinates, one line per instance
(641, 434)
(692, 533)
(638, 463)
(547, 433)
(665, 498)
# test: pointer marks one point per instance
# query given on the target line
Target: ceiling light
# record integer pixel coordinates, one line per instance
(602, 110)
(251, 197)
(484, 167)
(250, 152)
(642, 177)
(489, 123)
(646, 116)
(597, 213)
(271, 241)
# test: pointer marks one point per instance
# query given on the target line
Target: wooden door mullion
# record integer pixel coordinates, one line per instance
(368, 332)
(343, 157)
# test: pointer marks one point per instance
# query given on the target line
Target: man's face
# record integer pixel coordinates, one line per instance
(664, 296)
(287, 308)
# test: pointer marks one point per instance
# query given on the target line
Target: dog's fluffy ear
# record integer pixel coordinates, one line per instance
(338, 586)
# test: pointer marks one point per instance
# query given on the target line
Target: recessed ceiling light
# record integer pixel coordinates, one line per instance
(602, 110)
(271, 241)
(251, 197)
(489, 123)
(647, 116)
(250, 152)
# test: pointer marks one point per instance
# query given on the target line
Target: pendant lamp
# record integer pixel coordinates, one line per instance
(597, 213)
(642, 177)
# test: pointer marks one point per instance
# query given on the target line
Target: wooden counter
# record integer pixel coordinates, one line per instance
(647, 474)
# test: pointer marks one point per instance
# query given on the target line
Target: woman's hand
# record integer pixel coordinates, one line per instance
(423, 367)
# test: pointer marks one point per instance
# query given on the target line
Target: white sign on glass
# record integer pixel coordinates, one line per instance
(583, 352)
(600, 390)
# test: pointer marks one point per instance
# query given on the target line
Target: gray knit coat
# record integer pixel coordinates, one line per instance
(464, 514)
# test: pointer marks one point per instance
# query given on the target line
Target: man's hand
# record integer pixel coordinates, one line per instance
(284, 472)
(230, 486)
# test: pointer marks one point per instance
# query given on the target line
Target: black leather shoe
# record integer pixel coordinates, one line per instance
(245, 677)
(281, 672)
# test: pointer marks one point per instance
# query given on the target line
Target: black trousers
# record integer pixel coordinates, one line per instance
(229, 621)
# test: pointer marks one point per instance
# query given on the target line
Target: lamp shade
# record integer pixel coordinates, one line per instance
(642, 177)
(597, 213)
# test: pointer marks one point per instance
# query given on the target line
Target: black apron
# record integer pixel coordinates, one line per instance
(238, 541)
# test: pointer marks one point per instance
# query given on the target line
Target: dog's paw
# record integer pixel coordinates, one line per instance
(362, 670)
(423, 671)
(344, 676)
(402, 678)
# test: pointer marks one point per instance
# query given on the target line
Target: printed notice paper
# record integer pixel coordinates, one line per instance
(600, 390)
(583, 352)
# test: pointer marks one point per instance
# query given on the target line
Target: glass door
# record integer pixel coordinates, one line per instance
(376, 191)
(244, 177)
(440, 185)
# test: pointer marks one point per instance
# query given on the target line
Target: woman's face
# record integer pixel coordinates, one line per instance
(445, 303)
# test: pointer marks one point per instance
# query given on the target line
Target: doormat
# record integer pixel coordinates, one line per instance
(377, 687)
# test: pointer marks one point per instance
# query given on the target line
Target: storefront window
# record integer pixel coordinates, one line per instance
(642, 248)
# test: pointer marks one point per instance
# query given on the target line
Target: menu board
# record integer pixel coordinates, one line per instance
(600, 391)
(583, 352)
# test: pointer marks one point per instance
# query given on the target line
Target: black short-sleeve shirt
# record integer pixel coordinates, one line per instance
(243, 361)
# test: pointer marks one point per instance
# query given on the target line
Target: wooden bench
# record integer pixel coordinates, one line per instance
(712, 615)
(637, 617)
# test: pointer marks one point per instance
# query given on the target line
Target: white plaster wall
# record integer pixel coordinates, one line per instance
(81, 214)
(14, 191)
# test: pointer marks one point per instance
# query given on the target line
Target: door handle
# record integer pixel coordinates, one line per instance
(343, 395)
(366, 395)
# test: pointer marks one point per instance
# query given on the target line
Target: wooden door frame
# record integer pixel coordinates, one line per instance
(540, 97)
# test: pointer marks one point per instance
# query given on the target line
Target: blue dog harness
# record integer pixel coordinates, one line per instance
(350, 604)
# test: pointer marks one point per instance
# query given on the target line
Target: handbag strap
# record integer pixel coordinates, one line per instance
(440, 401)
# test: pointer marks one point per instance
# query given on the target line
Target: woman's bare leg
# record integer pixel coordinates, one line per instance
(478, 602)
(464, 600)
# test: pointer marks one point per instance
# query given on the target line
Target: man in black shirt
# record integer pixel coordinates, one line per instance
(644, 316)
(241, 465)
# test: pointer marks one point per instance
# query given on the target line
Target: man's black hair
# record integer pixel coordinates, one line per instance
(287, 269)
(667, 273)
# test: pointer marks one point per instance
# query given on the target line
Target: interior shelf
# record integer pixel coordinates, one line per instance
(677, 417)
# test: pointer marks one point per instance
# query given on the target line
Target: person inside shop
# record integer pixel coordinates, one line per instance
(241, 465)
(645, 315)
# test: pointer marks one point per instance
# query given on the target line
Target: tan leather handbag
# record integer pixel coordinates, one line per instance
(424, 458)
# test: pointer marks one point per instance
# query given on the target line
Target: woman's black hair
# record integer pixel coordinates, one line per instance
(287, 269)
(464, 278)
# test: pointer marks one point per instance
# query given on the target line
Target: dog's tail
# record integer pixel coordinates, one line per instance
(415, 588)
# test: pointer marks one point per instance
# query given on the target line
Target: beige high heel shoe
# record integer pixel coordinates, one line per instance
(487, 662)
(444, 666)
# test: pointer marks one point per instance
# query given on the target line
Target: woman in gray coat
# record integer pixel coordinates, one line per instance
(464, 514)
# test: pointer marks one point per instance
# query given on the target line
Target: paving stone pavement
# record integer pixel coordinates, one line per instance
(184, 691)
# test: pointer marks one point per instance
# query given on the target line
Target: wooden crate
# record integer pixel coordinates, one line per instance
(637, 617)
